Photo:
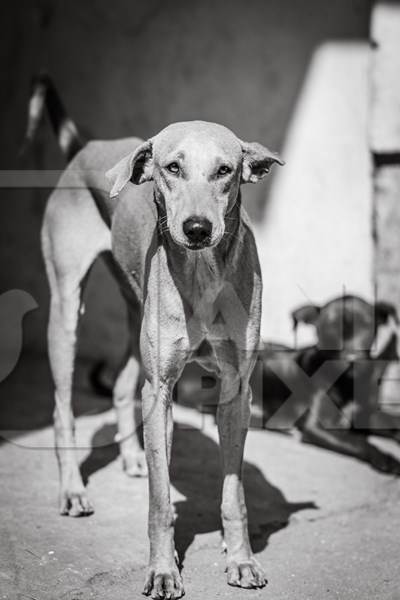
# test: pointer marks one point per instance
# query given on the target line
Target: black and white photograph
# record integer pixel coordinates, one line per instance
(200, 299)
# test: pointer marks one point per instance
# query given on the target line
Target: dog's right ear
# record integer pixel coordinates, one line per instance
(306, 314)
(257, 161)
(385, 310)
(136, 167)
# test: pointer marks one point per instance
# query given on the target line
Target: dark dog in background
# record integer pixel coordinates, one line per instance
(330, 390)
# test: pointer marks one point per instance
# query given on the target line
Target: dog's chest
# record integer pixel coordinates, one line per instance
(201, 284)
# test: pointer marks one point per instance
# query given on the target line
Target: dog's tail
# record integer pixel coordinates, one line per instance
(45, 96)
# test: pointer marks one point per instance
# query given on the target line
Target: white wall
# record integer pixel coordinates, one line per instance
(315, 239)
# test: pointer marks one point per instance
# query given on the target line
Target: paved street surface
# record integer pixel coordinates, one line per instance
(323, 526)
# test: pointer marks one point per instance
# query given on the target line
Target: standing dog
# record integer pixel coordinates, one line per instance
(331, 389)
(167, 213)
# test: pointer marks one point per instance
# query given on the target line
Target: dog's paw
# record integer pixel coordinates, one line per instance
(75, 504)
(246, 574)
(384, 462)
(164, 584)
(134, 464)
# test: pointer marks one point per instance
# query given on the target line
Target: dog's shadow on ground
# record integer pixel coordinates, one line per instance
(196, 474)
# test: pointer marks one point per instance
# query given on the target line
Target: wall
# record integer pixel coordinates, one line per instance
(315, 240)
(130, 67)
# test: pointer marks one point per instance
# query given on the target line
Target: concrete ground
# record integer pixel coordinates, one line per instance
(322, 525)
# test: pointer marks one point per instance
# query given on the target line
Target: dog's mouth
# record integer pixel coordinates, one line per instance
(194, 246)
(198, 245)
(203, 242)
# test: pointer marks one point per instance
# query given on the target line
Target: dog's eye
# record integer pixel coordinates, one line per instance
(173, 168)
(224, 170)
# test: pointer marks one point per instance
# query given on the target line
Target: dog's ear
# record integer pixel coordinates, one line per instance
(306, 314)
(385, 310)
(136, 167)
(257, 161)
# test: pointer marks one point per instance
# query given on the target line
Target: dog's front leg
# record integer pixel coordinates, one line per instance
(384, 424)
(323, 428)
(233, 417)
(163, 579)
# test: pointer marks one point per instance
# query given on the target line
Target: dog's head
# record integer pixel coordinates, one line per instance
(197, 168)
(348, 325)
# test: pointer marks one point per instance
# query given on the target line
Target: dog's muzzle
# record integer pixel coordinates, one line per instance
(197, 231)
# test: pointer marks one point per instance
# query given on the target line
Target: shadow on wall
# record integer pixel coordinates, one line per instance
(132, 68)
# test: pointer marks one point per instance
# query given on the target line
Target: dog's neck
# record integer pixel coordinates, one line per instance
(200, 274)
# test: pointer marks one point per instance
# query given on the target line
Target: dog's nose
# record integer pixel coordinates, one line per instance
(197, 229)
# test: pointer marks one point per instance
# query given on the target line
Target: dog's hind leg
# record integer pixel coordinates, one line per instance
(72, 237)
(128, 404)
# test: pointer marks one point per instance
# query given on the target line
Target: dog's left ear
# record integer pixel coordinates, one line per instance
(136, 167)
(305, 314)
(257, 161)
(384, 310)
